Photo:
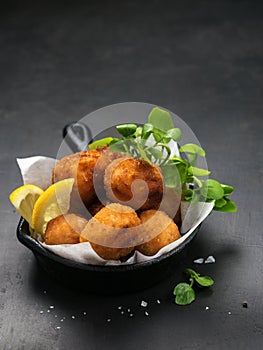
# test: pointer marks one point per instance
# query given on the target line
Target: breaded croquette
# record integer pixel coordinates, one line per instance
(154, 221)
(108, 231)
(122, 185)
(79, 166)
(64, 229)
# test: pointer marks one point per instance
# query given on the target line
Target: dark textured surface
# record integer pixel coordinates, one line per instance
(202, 60)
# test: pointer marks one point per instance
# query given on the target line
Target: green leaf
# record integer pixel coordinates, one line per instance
(160, 119)
(229, 207)
(198, 171)
(192, 273)
(192, 148)
(185, 294)
(100, 143)
(147, 129)
(219, 203)
(172, 178)
(126, 129)
(174, 134)
(117, 146)
(188, 194)
(212, 190)
(204, 281)
(227, 189)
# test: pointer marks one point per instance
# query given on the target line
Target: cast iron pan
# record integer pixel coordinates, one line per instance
(97, 279)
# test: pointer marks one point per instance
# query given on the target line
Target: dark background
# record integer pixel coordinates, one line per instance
(200, 59)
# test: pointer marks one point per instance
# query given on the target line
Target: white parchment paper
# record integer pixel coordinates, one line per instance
(37, 170)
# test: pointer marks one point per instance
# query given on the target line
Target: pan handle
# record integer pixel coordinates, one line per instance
(77, 136)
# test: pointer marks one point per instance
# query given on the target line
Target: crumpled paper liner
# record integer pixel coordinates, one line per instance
(38, 171)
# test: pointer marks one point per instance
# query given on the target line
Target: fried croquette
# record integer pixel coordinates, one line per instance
(152, 221)
(122, 185)
(171, 204)
(64, 229)
(107, 231)
(79, 166)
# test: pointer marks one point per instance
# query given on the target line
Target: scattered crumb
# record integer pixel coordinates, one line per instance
(210, 260)
(199, 261)
(144, 303)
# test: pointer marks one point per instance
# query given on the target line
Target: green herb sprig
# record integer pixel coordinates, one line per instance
(184, 292)
(180, 172)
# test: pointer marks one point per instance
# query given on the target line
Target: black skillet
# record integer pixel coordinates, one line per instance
(115, 279)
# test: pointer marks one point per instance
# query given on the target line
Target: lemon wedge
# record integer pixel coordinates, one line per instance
(24, 198)
(53, 202)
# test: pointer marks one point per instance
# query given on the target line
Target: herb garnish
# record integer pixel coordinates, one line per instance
(151, 142)
(184, 292)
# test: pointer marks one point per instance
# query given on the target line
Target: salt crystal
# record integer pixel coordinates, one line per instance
(108, 320)
(199, 261)
(158, 301)
(84, 313)
(207, 307)
(146, 313)
(129, 310)
(52, 307)
(58, 327)
(45, 292)
(122, 312)
(62, 320)
(144, 303)
(41, 312)
(119, 307)
(131, 315)
(73, 317)
(56, 316)
(48, 310)
(229, 312)
(210, 260)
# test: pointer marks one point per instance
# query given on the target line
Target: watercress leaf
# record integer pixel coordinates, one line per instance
(192, 148)
(156, 153)
(158, 135)
(117, 146)
(174, 134)
(100, 143)
(212, 189)
(198, 171)
(172, 178)
(138, 131)
(184, 294)
(227, 189)
(192, 273)
(229, 207)
(187, 194)
(219, 203)
(204, 281)
(160, 119)
(126, 129)
(147, 129)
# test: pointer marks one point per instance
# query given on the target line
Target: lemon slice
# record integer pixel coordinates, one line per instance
(24, 198)
(53, 202)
